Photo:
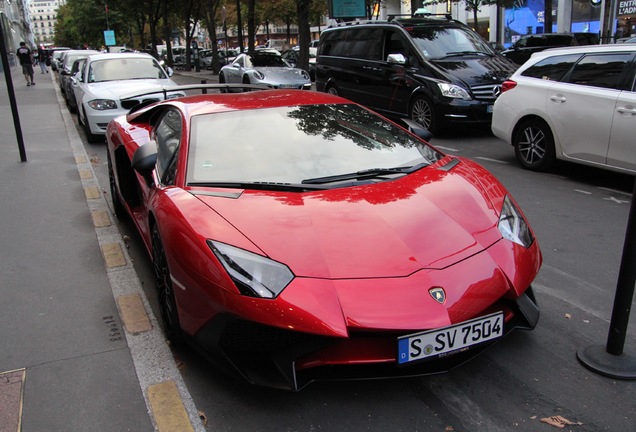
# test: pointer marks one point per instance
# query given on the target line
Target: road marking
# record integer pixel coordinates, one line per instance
(92, 192)
(615, 191)
(616, 200)
(583, 192)
(133, 313)
(113, 255)
(167, 408)
(492, 160)
(100, 218)
(11, 399)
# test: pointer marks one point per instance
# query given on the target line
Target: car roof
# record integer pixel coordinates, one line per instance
(106, 56)
(585, 49)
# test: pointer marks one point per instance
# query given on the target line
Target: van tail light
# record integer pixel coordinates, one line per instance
(508, 85)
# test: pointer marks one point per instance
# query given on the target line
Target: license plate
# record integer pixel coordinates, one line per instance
(449, 340)
(489, 108)
(288, 86)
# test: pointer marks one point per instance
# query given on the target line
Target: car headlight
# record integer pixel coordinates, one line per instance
(259, 75)
(453, 91)
(513, 226)
(254, 275)
(102, 104)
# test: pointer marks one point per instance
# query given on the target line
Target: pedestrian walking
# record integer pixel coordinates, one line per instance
(42, 62)
(26, 60)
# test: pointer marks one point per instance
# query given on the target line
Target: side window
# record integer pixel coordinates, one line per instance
(552, 68)
(168, 137)
(395, 44)
(600, 70)
(365, 43)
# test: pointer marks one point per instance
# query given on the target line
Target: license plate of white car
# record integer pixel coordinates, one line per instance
(450, 340)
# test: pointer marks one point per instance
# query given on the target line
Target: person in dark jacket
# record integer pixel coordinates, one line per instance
(26, 60)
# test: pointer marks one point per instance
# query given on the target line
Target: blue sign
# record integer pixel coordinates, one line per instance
(109, 37)
(348, 9)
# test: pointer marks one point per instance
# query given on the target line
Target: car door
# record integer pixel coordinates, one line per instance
(79, 88)
(622, 147)
(235, 70)
(581, 107)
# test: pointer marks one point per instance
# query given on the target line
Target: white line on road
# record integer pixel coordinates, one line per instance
(447, 149)
(583, 192)
(492, 160)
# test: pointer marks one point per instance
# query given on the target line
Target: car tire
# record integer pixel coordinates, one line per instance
(421, 110)
(222, 81)
(165, 291)
(534, 145)
(118, 206)
(246, 80)
(90, 137)
(332, 90)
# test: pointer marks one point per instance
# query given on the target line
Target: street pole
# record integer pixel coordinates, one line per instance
(11, 91)
(609, 360)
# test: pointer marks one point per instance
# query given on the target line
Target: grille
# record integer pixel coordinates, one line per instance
(129, 103)
(487, 93)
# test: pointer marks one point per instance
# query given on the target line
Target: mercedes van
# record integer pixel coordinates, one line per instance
(431, 68)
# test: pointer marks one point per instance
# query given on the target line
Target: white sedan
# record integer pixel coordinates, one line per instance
(576, 104)
(103, 80)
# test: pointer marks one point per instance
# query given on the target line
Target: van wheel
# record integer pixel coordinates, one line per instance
(422, 112)
(534, 145)
(332, 90)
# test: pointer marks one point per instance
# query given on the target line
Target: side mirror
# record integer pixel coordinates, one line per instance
(170, 71)
(418, 129)
(144, 160)
(396, 59)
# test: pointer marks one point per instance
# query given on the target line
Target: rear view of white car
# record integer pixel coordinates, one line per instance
(105, 78)
(576, 104)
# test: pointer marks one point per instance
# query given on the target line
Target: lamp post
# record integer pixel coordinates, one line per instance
(10, 90)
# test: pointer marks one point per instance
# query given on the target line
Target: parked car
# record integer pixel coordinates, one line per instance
(65, 70)
(104, 81)
(71, 83)
(527, 45)
(576, 104)
(267, 67)
(432, 69)
(291, 57)
(205, 58)
(55, 57)
(321, 242)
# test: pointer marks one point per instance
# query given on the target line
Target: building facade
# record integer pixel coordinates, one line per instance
(43, 19)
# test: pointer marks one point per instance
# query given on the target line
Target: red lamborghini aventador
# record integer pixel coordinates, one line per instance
(299, 236)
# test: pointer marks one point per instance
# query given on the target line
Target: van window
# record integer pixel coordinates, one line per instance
(361, 43)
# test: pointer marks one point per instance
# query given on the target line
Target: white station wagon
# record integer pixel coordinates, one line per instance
(576, 104)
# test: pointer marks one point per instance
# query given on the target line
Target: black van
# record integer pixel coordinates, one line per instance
(433, 69)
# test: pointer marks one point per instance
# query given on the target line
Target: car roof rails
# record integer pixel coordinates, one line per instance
(420, 14)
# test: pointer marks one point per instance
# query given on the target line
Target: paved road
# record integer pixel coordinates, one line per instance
(579, 216)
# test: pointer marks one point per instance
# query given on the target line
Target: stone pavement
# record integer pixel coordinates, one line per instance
(71, 358)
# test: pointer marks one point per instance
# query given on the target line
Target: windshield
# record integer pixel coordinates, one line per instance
(266, 60)
(292, 144)
(125, 69)
(440, 42)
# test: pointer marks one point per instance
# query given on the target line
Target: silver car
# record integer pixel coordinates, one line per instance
(265, 67)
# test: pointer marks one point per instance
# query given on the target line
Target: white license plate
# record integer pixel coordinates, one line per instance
(489, 108)
(288, 86)
(450, 340)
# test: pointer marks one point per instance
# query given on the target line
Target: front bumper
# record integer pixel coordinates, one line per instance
(285, 359)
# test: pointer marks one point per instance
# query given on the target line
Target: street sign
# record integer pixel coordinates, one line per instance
(109, 37)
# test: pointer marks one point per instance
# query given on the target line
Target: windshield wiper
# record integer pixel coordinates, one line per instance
(463, 53)
(257, 185)
(364, 174)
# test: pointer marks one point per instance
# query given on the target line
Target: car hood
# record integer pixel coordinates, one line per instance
(477, 70)
(428, 220)
(281, 74)
(116, 89)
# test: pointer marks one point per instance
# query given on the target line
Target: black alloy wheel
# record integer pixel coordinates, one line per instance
(165, 291)
(332, 90)
(118, 206)
(534, 145)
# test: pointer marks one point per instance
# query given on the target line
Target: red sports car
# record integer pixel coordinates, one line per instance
(299, 236)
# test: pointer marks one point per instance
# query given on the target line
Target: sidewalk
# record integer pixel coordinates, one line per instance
(68, 361)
